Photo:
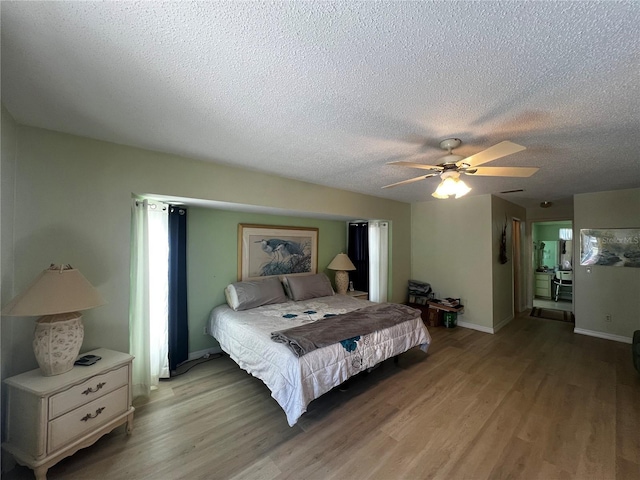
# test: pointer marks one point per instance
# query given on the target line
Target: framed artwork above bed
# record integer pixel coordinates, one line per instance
(268, 250)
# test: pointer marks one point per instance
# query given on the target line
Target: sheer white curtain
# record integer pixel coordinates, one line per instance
(148, 308)
(565, 233)
(378, 260)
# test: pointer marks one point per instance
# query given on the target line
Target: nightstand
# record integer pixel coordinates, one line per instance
(358, 294)
(50, 418)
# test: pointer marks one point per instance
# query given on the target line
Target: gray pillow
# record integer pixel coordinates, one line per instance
(246, 295)
(305, 287)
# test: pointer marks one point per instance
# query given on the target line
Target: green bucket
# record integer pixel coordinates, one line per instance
(450, 319)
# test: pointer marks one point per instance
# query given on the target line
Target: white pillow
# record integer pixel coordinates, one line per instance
(252, 294)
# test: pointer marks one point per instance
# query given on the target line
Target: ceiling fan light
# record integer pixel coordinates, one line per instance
(463, 189)
(439, 195)
(451, 165)
(448, 185)
(451, 185)
(444, 189)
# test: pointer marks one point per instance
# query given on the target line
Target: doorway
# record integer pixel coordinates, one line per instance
(552, 252)
(517, 249)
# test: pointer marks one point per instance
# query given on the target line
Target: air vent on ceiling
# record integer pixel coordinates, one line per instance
(513, 191)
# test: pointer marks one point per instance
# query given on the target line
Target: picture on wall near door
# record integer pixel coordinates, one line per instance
(266, 250)
(614, 247)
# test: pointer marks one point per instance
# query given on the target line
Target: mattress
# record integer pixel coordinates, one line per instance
(296, 381)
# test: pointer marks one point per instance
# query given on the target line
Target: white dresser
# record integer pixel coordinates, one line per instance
(543, 284)
(50, 418)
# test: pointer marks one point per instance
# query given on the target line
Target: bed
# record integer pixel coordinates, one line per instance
(246, 335)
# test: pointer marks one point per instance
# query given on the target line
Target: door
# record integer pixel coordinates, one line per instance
(516, 249)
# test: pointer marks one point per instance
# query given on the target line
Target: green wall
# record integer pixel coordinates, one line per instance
(503, 281)
(451, 250)
(548, 231)
(600, 291)
(7, 195)
(455, 247)
(72, 204)
(212, 249)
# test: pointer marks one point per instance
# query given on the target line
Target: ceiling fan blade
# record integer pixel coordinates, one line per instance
(411, 180)
(416, 165)
(502, 171)
(499, 150)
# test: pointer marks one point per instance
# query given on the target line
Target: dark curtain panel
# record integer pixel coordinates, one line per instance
(358, 253)
(178, 325)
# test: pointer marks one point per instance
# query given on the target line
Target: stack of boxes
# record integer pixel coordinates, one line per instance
(435, 312)
(420, 294)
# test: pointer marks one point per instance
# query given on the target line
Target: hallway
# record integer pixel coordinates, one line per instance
(563, 305)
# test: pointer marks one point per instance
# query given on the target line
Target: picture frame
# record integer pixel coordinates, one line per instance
(270, 250)
(614, 247)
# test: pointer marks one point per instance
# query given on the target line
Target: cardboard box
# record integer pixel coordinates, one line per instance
(434, 317)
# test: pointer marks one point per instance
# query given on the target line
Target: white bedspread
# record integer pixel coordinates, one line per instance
(294, 382)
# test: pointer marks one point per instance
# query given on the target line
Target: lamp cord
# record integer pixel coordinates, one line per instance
(207, 357)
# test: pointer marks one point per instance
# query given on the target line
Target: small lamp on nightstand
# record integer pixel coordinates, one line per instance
(341, 264)
(59, 293)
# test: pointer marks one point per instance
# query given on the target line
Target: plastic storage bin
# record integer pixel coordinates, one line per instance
(450, 319)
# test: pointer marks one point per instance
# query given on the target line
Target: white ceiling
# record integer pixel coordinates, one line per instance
(329, 92)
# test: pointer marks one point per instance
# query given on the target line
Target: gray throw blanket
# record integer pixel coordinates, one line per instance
(308, 337)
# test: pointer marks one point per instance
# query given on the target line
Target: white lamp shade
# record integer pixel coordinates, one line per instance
(54, 291)
(58, 293)
(341, 262)
(451, 185)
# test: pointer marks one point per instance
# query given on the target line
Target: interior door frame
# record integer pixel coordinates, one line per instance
(530, 283)
(516, 252)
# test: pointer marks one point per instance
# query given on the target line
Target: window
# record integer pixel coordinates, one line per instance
(566, 234)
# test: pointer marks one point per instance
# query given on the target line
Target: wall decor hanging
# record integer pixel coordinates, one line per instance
(503, 244)
(267, 250)
(614, 247)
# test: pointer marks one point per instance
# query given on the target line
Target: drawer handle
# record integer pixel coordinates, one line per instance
(88, 416)
(91, 390)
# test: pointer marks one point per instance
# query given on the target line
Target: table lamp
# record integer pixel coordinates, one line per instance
(58, 293)
(341, 264)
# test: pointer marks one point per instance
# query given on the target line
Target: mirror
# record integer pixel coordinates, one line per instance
(549, 256)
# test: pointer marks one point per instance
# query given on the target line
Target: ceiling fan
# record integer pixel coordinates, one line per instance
(453, 165)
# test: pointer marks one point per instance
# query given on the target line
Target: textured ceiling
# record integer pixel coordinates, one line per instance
(329, 92)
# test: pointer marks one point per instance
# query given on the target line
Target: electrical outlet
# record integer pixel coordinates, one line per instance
(607, 318)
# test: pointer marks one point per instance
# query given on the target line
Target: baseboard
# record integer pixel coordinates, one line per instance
(606, 336)
(202, 353)
(473, 326)
(503, 323)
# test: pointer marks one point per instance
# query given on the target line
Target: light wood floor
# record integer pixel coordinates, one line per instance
(563, 305)
(534, 401)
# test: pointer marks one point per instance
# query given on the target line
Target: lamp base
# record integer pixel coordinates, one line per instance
(57, 341)
(342, 281)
